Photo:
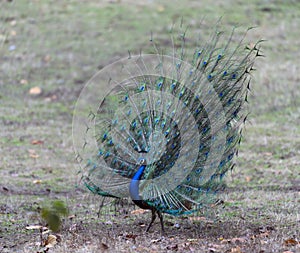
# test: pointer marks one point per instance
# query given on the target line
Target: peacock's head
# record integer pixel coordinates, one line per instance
(142, 161)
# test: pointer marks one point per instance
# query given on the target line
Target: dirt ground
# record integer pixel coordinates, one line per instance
(50, 49)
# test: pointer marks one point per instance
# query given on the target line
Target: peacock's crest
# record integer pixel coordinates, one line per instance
(164, 129)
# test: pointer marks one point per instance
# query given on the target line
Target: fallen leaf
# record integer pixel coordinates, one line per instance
(156, 240)
(217, 203)
(32, 153)
(197, 218)
(38, 181)
(236, 250)
(71, 216)
(47, 58)
(192, 240)
(50, 98)
(142, 225)
(138, 211)
(33, 227)
(50, 241)
(268, 153)
(13, 22)
(23, 81)
(34, 156)
(13, 33)
(35, 90)
(291, 242)
(130, 236)
(234, 240)
(160, 8)
(248, 179)
(46, 231)
(36, 142)
(263, 242)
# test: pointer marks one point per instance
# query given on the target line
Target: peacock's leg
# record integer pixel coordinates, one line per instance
(152, 220)
(100, 207)
(161, 222)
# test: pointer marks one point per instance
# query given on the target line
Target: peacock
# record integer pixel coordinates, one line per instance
(163, 130)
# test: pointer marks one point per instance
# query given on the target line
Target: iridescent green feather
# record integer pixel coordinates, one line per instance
(138, 117)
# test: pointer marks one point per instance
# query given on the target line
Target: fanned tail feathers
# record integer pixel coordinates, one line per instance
(185, 121)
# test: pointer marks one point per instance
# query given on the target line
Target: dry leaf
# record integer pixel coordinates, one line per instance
(156, 240)
(73, 228)
(236, 250)
(234, 240)
(46, 231)
(130, 236)
(199, 218)
(291, 242)
(238, 240)
(36, 142)
(248, 179)
(138, 211)
(34, 156)
(32, 227)
(192, 239)
(268, 153)
(13, 33)
(160, 8)
(142, 225)
(13, 22)
(47, 58)
(38, 181)
(35, 90)
(32, 153)
(23, 81)
(51, 241)
(51, 98)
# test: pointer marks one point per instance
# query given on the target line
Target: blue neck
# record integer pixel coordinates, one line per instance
(135, 182)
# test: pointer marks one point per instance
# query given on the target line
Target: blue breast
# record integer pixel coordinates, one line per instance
(135, 182)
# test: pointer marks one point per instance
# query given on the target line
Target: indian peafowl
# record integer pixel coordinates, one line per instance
(164, 130)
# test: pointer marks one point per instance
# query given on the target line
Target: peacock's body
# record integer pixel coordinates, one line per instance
(164, 131)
